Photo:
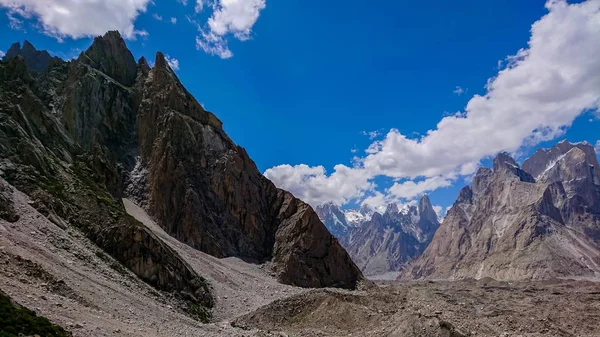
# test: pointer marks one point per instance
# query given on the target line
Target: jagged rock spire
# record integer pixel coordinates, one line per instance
(110, 55)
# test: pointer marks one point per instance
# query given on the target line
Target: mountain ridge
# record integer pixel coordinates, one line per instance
(536, 222)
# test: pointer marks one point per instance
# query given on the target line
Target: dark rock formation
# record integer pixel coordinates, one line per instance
(81, 134)
(538, 222)
(35, 59)
(206, 191)
(7, 207)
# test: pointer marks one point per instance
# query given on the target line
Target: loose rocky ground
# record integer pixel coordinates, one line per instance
(442, 309)
(61, 275)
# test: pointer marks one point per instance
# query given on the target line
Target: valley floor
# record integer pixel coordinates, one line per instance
(61, 275)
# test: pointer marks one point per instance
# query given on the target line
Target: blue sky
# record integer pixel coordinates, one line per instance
(305, 82)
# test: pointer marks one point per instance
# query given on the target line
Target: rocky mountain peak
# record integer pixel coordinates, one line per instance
(110, 55)
(37, 60)
(28, 47)
(366, 209)
(543, 160)
(14, 49)
(502, 159)
(143, 65)
(114, 127)
(392, 209)
(528, 228)
(504, 163)
(465, 196)
(160, 61)
(426, 210)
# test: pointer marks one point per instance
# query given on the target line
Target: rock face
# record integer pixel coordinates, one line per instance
(538, 222)
(387, 242)
(35, 59)
(79, 135)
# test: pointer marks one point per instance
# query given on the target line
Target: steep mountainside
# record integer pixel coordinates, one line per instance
(79, 135)
(534, 223)
(386, 242)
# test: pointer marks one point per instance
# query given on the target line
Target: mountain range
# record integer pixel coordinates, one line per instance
(538, 221)
(382, 243)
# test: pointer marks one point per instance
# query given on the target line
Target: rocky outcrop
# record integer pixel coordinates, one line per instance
(81, 134)
(35, 59)
(70, 186)
(387, 242)
(538, 222)
(206, 191)
(7, 208)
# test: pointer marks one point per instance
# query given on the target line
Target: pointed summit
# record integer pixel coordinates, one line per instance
(544, 159)
(160, 61)
(109, 54)
(13, 51)
(426, 210)
(502, 159)
(143, 65)
(35, 59)
(391, 209)
(504, 163)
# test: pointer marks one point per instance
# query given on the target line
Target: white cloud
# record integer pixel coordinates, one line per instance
(2, 53)
(183, 2)
(372, 134)
(173, 62)
(229, 17)
(200, 5)
(157, 17)
(459, 91)
(78, 18)
(313, 185)
(410, 189)
(213, 44)
(173, 20)
(597, 147)
(535, 97)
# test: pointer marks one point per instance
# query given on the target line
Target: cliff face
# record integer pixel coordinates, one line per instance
(79, 135)
(207, 192)
(539, 222)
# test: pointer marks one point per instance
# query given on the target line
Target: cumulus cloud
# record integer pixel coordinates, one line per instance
(535, 96)
(78, 18)
(229, 18)
(313, 185)
(411, 189)
(173, 62)
(157, 17)
(597, 147)
(173, 20)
